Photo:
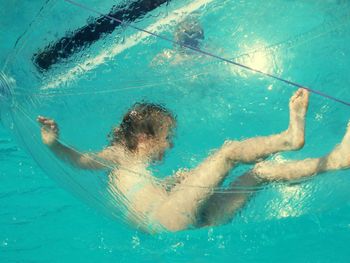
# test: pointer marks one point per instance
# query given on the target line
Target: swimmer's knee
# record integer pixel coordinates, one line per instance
(260, 170)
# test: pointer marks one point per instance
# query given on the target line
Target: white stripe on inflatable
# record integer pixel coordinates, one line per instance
(171, 19)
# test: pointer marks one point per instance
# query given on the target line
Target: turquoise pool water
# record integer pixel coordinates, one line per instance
(299, 40)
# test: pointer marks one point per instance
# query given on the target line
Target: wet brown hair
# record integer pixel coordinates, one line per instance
(143, 118)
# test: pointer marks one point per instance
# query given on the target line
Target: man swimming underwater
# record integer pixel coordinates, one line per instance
(143, 137)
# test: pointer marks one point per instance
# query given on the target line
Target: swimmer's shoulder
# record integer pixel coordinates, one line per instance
(114, 153)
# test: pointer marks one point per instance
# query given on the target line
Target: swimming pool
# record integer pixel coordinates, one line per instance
(307, 42)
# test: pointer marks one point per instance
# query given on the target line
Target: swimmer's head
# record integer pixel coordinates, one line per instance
(146, 124)
(189, 33)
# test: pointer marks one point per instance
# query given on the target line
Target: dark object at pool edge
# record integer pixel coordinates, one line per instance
(92, 32)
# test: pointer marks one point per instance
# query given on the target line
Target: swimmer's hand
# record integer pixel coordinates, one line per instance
(49, 130)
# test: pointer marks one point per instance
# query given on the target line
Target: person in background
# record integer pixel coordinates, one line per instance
(188, 33)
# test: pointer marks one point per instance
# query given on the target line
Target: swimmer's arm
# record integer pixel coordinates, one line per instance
(87, 161)
(90, 161)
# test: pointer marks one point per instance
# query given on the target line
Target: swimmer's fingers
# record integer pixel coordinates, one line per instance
(49, 130)
(48, 124)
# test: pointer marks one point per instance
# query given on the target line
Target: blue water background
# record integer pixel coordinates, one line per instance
(40, 222)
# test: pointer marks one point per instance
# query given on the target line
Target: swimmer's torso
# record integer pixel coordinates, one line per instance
(139, 188)
(146, 197)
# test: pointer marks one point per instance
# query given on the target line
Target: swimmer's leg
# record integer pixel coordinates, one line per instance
(257, 148)
(221, 207)
(213, 171)
(338, 158)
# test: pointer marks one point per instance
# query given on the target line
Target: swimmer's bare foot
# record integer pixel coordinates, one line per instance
(298, 105)
(339, 158)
